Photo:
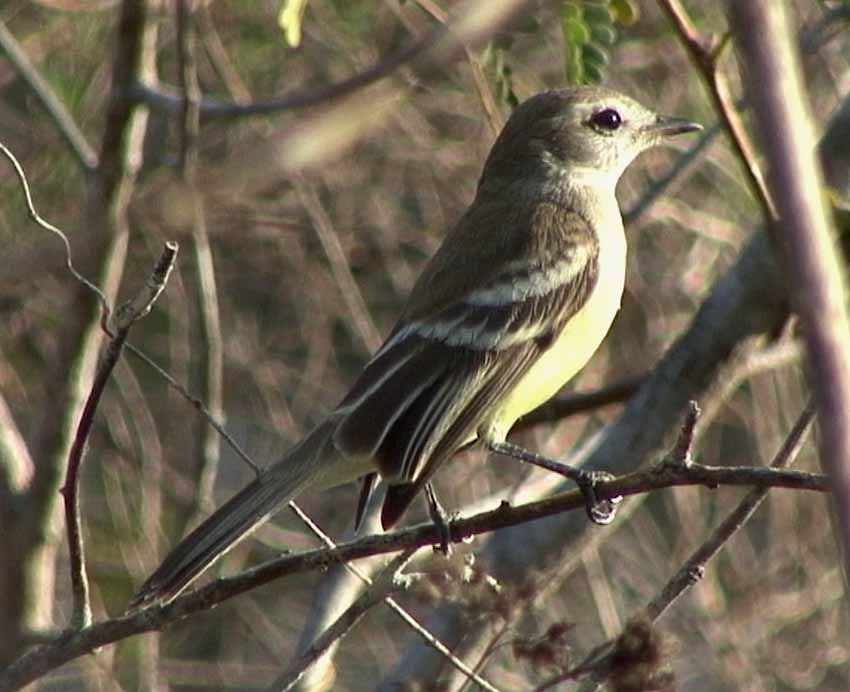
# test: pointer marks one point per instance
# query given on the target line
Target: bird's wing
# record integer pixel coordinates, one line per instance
(458, 350)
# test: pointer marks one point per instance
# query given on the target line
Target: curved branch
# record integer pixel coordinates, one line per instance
(156, 617)
(477, 20)
(125, 317)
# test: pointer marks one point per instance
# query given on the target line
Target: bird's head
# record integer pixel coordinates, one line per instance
(587, 134)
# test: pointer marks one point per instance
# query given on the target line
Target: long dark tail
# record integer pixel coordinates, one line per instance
(313, 463)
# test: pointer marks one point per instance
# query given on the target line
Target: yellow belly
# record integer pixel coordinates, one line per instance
(579, 340)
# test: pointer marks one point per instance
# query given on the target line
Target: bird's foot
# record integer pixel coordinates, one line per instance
(441, 520)
(599, 511)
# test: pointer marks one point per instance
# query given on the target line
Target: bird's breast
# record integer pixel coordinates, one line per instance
(578, 340)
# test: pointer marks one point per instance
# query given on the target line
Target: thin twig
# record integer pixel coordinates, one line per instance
(218, 56)
(80, 338)
(705, 52)
(390, 581)
(195, 401)
(485, 93)
(125, 317)
(684, 445)
(164, 99)
(752, 361)
(408, 619)
(339, 264)
(212, 360)
(694, 566)
(62, 119)
(187, 72)
(476, 21)
(197, 404)
(34, 215)
(155, 617)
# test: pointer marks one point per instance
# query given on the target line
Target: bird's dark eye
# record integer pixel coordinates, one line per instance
(607, 120)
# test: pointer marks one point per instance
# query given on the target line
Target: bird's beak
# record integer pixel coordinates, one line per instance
(668, 126)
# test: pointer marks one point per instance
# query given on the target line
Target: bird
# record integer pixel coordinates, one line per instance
(515, 301)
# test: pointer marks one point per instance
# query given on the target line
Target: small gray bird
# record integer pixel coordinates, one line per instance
(513, 304)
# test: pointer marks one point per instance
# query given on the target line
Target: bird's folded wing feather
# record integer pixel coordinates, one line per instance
(482, 312)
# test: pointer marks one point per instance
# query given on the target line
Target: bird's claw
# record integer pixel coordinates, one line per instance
(602, 511)
(441, 520)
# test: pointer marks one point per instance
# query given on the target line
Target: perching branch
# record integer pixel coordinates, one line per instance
(695, 565)
(156, 617)
(599, 662)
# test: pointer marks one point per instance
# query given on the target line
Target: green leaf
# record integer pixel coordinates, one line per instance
(575, 32)
(289, 20)
(597, 14)
(625, 11)
(574, 66)
(593, 74)
(591, 53)
(603, 35)
(571, 11)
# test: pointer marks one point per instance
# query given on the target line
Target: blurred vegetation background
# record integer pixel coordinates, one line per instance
(301, 232)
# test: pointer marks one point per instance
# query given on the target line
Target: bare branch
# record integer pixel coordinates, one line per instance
(485, 93)
(705, 51)
(212, 352)
(694, 567)
(125, 317)
(406, 617)
(348, 287)
(684, 445)
(390, 581)
(155, 617)
(197, 404)
(218, 56)
(600, 662)
(71, 371)
(51, 103)
(46, 225)
(809, 252)
(477, 20)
